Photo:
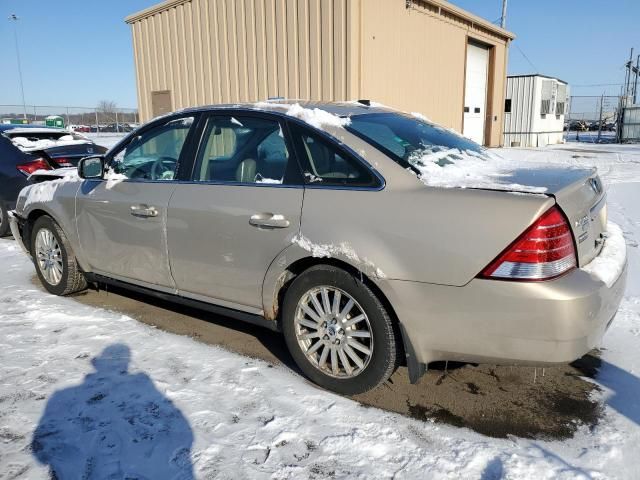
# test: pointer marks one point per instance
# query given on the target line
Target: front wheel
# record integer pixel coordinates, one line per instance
(338, 331)
(56, 265)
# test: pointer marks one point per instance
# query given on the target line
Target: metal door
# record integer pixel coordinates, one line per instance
(475, 97)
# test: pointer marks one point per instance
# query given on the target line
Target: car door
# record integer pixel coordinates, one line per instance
(121, 219)
(240, 211)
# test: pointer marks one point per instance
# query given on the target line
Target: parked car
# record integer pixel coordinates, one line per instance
(578, 125)
(27, 148)
(117, 128)
(79, 128)
(345, 227)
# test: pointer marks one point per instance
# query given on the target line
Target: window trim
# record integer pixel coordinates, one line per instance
(343, 150)
(200, 143)
(184, 153)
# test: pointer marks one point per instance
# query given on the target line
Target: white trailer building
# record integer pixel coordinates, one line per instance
(535, 107)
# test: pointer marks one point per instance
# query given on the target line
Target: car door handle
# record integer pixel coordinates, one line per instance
(143, 211)
(269, 220)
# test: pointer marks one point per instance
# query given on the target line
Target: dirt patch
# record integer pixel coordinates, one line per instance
(549, 403)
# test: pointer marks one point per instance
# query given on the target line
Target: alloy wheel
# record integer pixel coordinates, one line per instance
(49, 256)
(334, 332)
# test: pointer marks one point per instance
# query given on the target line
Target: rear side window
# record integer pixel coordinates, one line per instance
(405, 137)
(244, 150)
(325, 164)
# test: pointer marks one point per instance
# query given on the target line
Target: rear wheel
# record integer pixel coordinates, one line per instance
(338, 332)
(56, 265)
(4, 219)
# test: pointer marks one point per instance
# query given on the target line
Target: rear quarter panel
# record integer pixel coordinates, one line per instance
(425, 234)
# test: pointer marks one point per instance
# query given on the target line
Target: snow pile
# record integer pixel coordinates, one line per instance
(27, 145)
(261, 179)
(455, 168)
(315, 117)
(610, 263)
(343, 249)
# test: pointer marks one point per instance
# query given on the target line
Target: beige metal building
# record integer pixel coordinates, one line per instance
(425, 56)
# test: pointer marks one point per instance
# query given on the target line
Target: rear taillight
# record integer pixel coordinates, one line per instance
(30, 167)
(544, 251)
(62, 162)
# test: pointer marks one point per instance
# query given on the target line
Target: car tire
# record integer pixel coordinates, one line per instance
(53, 257)
(334, 330)
(4, 219)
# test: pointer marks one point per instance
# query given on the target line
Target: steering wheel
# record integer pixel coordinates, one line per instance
(162, 165)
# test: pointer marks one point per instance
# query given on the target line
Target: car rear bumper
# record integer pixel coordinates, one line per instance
(16, 224)
(490, 321)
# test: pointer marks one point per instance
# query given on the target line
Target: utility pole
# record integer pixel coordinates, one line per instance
(14, 18)
(627, 78)
(503, 18)
(600, 119)
(635, 87)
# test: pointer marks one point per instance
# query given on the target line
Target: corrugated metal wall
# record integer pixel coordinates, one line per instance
(414, 59)
(631, 124)
(521, 91)
(227, 51)
(528, 125)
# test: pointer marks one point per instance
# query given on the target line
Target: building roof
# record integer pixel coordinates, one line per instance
(441, 5)
(537, 75)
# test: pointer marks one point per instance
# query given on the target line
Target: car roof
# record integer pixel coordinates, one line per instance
(341, 109)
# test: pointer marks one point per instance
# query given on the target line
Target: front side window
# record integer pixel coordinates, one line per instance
(244, 150)
(410, 140)
(154, 154)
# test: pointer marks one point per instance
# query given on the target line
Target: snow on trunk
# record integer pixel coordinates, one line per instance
(27, 145)
(454, 168)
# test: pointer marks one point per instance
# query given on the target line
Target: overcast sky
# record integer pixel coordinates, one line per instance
(78, 52)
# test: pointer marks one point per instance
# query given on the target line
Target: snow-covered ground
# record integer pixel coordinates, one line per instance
(104, 396)
(107, 140)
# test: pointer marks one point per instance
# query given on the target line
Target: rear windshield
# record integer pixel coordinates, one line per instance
(407, 138)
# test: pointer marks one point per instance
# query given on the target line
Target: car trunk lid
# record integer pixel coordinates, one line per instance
(70, 154)
(580, 194)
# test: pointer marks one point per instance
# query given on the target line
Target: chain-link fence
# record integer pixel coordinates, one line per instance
(88, 119)
(592, 118)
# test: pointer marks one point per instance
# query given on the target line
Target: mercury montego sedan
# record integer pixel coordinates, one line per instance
(369, 237)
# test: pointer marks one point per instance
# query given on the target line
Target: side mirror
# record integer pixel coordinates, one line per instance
(91, 167)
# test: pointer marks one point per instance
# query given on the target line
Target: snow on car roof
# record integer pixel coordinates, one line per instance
(32, 130)
(340, 109)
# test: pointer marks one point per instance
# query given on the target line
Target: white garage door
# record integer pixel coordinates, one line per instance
(475, 95)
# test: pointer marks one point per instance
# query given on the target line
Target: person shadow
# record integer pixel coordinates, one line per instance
(114, 425)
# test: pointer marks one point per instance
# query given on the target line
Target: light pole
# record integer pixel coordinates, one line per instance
(14, 18)
(503, 18)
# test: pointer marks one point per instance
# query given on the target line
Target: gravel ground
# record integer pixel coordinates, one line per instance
(495, 401)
